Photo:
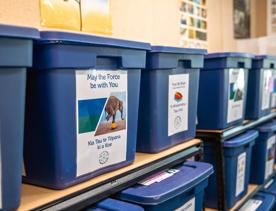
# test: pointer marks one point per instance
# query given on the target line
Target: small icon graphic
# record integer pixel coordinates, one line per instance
(178, 96)
(177, 122)
(103, 158)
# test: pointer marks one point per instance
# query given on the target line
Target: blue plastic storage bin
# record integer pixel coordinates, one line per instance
(237, 159)
(260, 87)
(262, 164)
(259, 202)
(222, 90)
(168, 97)
(82, 107)
(270, 188)
(179, 188)
(115, 205)
(16, 51)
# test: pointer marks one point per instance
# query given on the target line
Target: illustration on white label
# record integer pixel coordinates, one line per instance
(101, 118)
(178, 103)
(236, 94)
(270, 156)
(273, 89)
(241, 165)
(251, 205)
(266, 88)
(188, 206)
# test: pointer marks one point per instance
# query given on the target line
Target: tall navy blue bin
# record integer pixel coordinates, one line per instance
(262, 164)
(222, 90)
(168, 97)
(82, 107)
(16, 51)
(237, 155)
(259, 202)
(260, 87)
(179, 188)
(115, 205)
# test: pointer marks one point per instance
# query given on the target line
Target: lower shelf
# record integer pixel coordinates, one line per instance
(78, 196)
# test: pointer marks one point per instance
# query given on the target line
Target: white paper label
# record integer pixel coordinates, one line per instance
(241, 165)
(273, 89)
(235, 94)
(251, 205)
(188, 206)
(101, 114)
(158, 177)
(270, 156)
(266, 88)
(178, 103)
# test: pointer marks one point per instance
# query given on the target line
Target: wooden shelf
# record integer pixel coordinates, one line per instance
(34, 197)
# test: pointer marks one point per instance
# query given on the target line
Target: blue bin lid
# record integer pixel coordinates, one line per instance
(112, 204)
(243, 139)
(268, 127)
(228, 54)
(18, 32)
(178, 50)
(78, 38)
(267, 200)
(261, 57)
(264, 61)
(190, 175)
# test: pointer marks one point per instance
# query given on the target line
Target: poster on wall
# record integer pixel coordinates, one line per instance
(241, 19)
(193, 24)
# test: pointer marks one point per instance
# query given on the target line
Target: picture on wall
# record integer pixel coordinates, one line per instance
(241, 19)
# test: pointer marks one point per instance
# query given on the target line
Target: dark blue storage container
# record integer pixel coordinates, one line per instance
(262, 164)
(270, 188)
(260, 87)
(179, 188)
(114, 205)
(222, 90)
(237, 159)
(259, 202)
(168, 97)
(82, 107)
(16, 51)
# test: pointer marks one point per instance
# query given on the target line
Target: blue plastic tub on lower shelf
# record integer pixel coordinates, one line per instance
(222, 90)
(179, 188)
(237, 158)
(259, 202)
(260, 85)
(168, 97)
(82, 107)
(262, 164)
(16, 52)
(114, 205)
(270, 188)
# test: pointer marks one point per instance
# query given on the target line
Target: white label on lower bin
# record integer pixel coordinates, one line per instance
(158, 177)
(178, 103)
(188, 206)
(236, 94)
(266, 88)
(241, 166)
(251, 205)
(101, 119)
(270, 156)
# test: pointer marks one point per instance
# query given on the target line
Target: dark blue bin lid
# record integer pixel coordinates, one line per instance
(268, 201)
(112, 204)
(261, 57)
(190, 174)
(268, 127)
(241, 140)
(228, 54)
(78, 38)
(18, 32)
(178, 50)
(264, 61)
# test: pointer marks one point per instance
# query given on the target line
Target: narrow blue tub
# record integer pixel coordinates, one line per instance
(259, 202)
(262, 164)
(237, 159)
(181, 188)
(168, 97)
(222, 90)
(16, 51)
(260, 87)
(110, 204)
(82, 107)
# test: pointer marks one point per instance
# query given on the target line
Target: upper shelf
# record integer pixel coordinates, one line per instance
(86, 193)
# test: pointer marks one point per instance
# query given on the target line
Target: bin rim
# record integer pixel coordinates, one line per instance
(228, 54)
(120, 205)
(49, 37)
(242, 139)
(265, 56)
(13, 31)
(268, 127)
(177, 50)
